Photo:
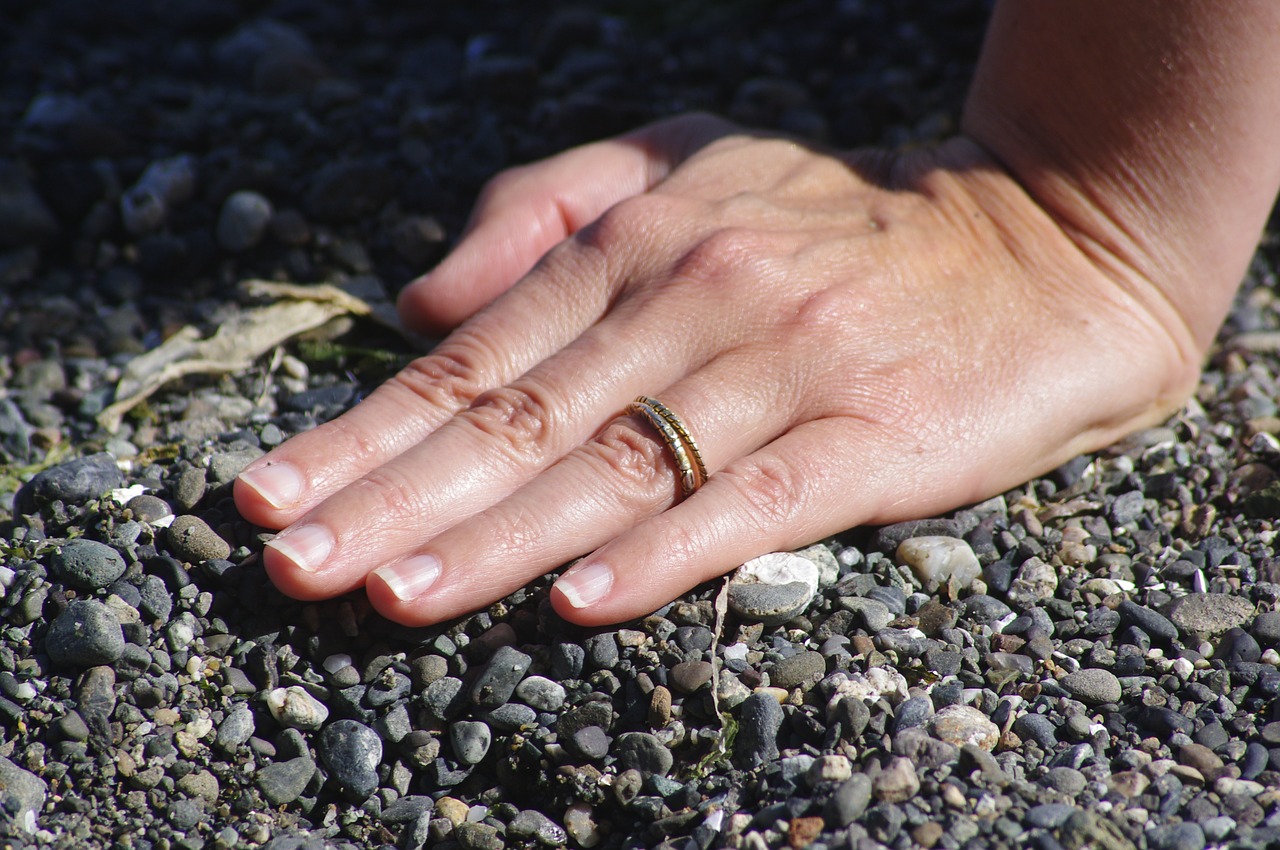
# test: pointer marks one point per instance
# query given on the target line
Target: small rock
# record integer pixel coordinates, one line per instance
(1181, 836)
(541, 693)
(850, 800)
(643, 752)
(346, 191)
(236, 729)
(688, 676)
(1207, 615)
(85, 634)
(1156, 625)
(74, 482)
(897, 782)
(580, 824)
(498, 679)
(147, 508)
(470, 739)
(352, 752)
(964, 724)
(1092, 685)
(875, 616)
(87, 564)
(759, 719)
(829, 768)
(590, 742)
(530, 823)
(243, 220)
(802, 670)
(283, 782)
(773, 588)
(24, 218)
(192, 540)
(22, 794)
(295, 708)
(1035, 581)
(937, 560)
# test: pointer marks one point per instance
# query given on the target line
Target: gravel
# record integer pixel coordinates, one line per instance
(1087, 660)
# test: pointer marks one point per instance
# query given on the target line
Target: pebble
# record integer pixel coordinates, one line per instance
(964, 724)
(87, 564)
(236, 729)
(874, 615)
(850, 800)
(352, 752)
(497, 680)
(1156, 625)
(590, 742)
(1182, 836)
(540, 693)
(580, 824)
(687, 677)
(149, 509)
(85, 634)
(192, 540)
(243, 220)
(22, 794)
(283, 782)
(346, 190)
(24, 218)
(1092, 685)
(470, 740)
(643, 752)
(773, 588)
(829, 768)
(937, 561)
(295, 708)
(1034, 582)
(1207, 615)
(759, 719)
(73, 482)
(530, 823)
(1266, 628)
(897, 783)
(802, 670)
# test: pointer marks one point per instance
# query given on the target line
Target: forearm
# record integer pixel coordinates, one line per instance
(1149, 131)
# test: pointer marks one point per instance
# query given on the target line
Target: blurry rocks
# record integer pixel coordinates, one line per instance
(243, 220)
(24, 218)
(73, 482)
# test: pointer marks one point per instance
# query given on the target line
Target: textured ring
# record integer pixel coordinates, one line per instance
(693, 472)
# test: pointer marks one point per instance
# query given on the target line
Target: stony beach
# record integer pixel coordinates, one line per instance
(1091, 660)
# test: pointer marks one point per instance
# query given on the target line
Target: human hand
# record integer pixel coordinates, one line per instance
(850, 338)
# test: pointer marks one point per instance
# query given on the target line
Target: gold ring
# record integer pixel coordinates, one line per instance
(693, 471)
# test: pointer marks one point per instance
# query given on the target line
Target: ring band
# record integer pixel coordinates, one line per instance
(693, 471)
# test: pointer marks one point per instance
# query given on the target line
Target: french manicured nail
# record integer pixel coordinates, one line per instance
(586, 584)
(307, 546)
(410, 578)
(279, 484)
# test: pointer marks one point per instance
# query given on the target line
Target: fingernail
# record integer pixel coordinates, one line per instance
(410, 578)
(306, 546)
(586, 584)
(279, 484)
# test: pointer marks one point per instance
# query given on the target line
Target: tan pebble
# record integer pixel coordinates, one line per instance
(452, 809)
(801, 832)
(659, 707)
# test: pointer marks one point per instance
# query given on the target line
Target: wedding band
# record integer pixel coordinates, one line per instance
(693, 471)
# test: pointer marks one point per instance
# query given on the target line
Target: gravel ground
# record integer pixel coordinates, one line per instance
(1088, 661)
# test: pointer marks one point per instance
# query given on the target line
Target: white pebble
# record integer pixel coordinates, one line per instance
(937, 560)
(293, 706)
(581, 826)
(778, 568)
(337, 661)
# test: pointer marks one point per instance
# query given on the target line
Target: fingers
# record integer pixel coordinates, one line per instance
(619, 478)
(524, 212)
(570, 286)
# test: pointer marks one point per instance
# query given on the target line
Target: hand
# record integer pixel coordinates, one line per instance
(850, 338)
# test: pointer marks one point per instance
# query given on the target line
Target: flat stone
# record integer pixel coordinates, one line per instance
(938, 560)
(802, 670)
(773, 588)
(540, 693)
(1207, 615)
(850, 800)
(22, 794)
(643, 752)
(874, 615)
(470, 740)
(74, 482)
(498, 678)
(1092, 685)
(1155, 624)
(283, 782)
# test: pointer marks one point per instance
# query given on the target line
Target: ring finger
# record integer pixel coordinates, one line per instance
(618, 479)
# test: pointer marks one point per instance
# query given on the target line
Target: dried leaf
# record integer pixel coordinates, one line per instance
(234, 345)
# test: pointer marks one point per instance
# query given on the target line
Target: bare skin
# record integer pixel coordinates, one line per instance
(851, 337)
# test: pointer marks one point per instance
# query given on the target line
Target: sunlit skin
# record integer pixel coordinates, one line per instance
(850, 337)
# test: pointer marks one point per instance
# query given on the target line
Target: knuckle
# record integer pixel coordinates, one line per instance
(774, 491)
(518, 417)
(636, 464)
(719, 258)
(450, 377)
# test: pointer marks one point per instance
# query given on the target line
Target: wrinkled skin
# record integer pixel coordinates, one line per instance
(851, 338)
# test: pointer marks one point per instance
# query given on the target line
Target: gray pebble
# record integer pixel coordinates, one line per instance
(1181, 836)
(1207, 615)
(148, 508)
(155, 601)
(443, 698)
(1266, 628)
(872, 613)
(985, 609)
(189, 488)
(192, 540)
(283, 782)
(1126, 508)
(643, 752)
(243, 220)
(85, 634)
(567, 660)
(470, 739)
(590, 742)
(688, 676)
(1156, 625)
(510, 717)
(497, 680)
(236, 729)
(912, 712)
(1038, 728)
(529, 823)
(759, 719)
(74, 482)
(540, 693)
(406, 809)
(1092, 685)
(1049, 815)
(87, 564)
(770, 604)
(850, 800)
(802, 670)
(1065, 780)
(352, 752)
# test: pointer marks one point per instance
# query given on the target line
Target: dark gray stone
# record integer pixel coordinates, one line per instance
(87, 564)
(73, 482)
(352, 752)
(498, 678)
(283, 782)
(770, 604)
(802, 670)
(759, 719)
(470, 740)
(85, 634)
